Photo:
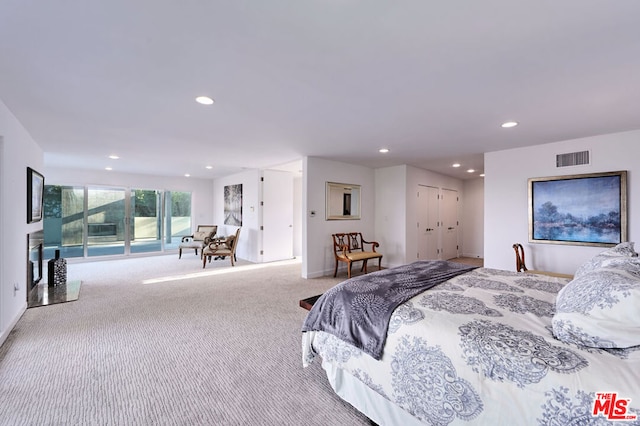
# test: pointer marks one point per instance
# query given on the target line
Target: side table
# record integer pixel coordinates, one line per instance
(309, 301)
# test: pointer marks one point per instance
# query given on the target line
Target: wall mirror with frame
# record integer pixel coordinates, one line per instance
(343, 201)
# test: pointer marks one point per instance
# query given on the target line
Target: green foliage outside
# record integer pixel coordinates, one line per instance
(180, 204)
(52, 201)
(145, 203)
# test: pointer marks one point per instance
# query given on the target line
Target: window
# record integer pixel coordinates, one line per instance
(91, 221)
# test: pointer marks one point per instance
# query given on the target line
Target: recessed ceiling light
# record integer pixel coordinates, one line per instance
(108, 168)
(508, 124)
(209, 167)
(455, 165)
(470, 170)
(187, 175)
(114, 157)
(383, 150)
(204, 100)
(481, 174)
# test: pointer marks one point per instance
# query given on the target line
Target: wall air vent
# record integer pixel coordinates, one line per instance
(572, 159)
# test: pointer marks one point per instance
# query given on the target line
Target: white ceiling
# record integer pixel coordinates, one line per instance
(430, 80)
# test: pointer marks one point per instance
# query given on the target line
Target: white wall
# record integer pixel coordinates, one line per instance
(297, 215)
(201, 189)
(506, 197)
(473, 218)
(317, 246)
(249, 243)
(391, 214)
(17, 152)
(397, 209)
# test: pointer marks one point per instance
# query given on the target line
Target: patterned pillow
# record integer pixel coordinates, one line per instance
(622, 250)
(600, 307)
(200, 235)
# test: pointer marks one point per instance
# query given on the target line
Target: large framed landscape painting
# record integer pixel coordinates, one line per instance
(587, 209)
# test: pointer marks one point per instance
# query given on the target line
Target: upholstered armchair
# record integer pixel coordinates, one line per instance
(221, 248)
(204, 235)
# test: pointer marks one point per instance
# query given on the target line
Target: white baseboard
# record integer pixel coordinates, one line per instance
(475, 255)
(7, 331)
(315, 275)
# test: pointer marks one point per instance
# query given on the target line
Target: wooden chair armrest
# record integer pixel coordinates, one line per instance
(374, 244)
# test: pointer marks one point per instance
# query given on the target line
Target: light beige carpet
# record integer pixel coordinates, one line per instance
(160, 341)
(474, 261)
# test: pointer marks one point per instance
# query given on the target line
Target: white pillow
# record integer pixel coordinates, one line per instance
(599, 308)
(622, 250)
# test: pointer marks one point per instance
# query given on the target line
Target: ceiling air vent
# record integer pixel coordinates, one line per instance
(572, 159)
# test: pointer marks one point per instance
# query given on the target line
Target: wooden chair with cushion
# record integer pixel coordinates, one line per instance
(221, 248)
(204, 235)
(521, 267)
(350, 247)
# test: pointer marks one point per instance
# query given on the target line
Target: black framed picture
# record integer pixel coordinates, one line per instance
(35, 195)
(233, 205)
(587, 209)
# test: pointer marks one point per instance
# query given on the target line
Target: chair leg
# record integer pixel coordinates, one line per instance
(349, 270)
(204, 261)
(179, 253)
(379, 263)
(335, 270)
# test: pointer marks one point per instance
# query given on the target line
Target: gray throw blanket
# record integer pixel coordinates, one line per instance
(358, 310)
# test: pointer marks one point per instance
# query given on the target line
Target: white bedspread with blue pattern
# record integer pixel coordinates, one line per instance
(479, 349)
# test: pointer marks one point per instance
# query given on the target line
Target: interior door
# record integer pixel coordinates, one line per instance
(428, 230)
(277, 215)
(449, 206)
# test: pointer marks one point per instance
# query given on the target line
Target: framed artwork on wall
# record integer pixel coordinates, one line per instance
(35, 194)
(233, 205)
(587, 209)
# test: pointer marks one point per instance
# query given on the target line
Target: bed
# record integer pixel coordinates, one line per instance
(484, 346)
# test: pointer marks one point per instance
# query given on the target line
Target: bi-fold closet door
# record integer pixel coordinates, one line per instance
(437, 223)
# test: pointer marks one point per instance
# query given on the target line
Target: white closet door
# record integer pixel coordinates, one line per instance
(449, 217)
(428, 230)
(277, 215)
